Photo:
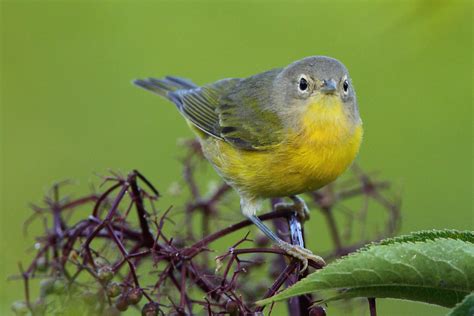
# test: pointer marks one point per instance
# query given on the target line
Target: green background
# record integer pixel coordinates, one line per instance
(68, 108)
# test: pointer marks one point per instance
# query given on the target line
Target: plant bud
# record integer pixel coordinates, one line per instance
(232, 308)
(41, 264)
(150, 309)
(113, 289)
(134, 296)
(47, 286)
(105, 274)
(121, 303)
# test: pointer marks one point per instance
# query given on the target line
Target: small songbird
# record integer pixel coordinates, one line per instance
(275, 134)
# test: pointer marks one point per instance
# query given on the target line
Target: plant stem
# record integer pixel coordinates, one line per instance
(372, 306)
(196, 248)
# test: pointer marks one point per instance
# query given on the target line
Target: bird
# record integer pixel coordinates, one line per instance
(279, 133)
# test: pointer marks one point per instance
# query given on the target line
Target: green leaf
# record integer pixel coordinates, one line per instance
(466, 307)
(435, 267)
(425, 235)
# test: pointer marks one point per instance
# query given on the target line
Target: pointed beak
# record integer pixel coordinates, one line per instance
(329, 86)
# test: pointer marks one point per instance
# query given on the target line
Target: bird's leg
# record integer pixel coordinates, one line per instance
(298, 205)
(296, 251)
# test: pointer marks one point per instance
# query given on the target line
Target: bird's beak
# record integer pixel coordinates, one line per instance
(329, 86)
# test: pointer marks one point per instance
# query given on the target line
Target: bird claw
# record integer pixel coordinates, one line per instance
(301, 254)
(298, 206)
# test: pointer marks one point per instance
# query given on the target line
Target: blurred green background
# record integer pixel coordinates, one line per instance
(68, 108)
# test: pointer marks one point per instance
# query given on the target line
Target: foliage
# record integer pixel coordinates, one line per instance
(112, 260)
(466, 307)
(435, 267)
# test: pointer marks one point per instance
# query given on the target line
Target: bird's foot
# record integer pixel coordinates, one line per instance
(298, 206)
(301, 254)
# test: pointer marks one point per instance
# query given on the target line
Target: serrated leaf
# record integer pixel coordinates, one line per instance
(433, 234)
(466, 307)
(430, 266)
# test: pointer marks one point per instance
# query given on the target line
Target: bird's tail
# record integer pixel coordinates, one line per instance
(164, 86)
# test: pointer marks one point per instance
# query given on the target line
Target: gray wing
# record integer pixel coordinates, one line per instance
(200, 105)
(235, 110)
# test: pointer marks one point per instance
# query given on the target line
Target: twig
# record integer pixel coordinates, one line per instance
(372, 307)
(80, 252)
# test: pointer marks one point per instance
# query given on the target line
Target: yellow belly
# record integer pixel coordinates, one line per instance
(309, 159)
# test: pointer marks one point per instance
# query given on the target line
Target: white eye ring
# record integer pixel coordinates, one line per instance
(345, 86)
(303, 84)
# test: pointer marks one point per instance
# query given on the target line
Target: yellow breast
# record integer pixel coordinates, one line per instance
(326, 146)
(323, 147)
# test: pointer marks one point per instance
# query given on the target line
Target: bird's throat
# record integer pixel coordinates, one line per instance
(326, 122)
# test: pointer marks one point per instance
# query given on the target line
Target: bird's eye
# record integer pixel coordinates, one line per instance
(303, 84)
(345, 86)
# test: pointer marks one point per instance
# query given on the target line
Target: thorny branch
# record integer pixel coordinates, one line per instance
(112, 261)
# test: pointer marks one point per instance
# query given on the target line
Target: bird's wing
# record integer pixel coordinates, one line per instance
(235, 110)
(199, 107)
(238, 111)
(197, 104)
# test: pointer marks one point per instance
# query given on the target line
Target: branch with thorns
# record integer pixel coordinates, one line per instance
(113, 261)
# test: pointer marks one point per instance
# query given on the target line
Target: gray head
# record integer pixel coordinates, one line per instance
(315, 77)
